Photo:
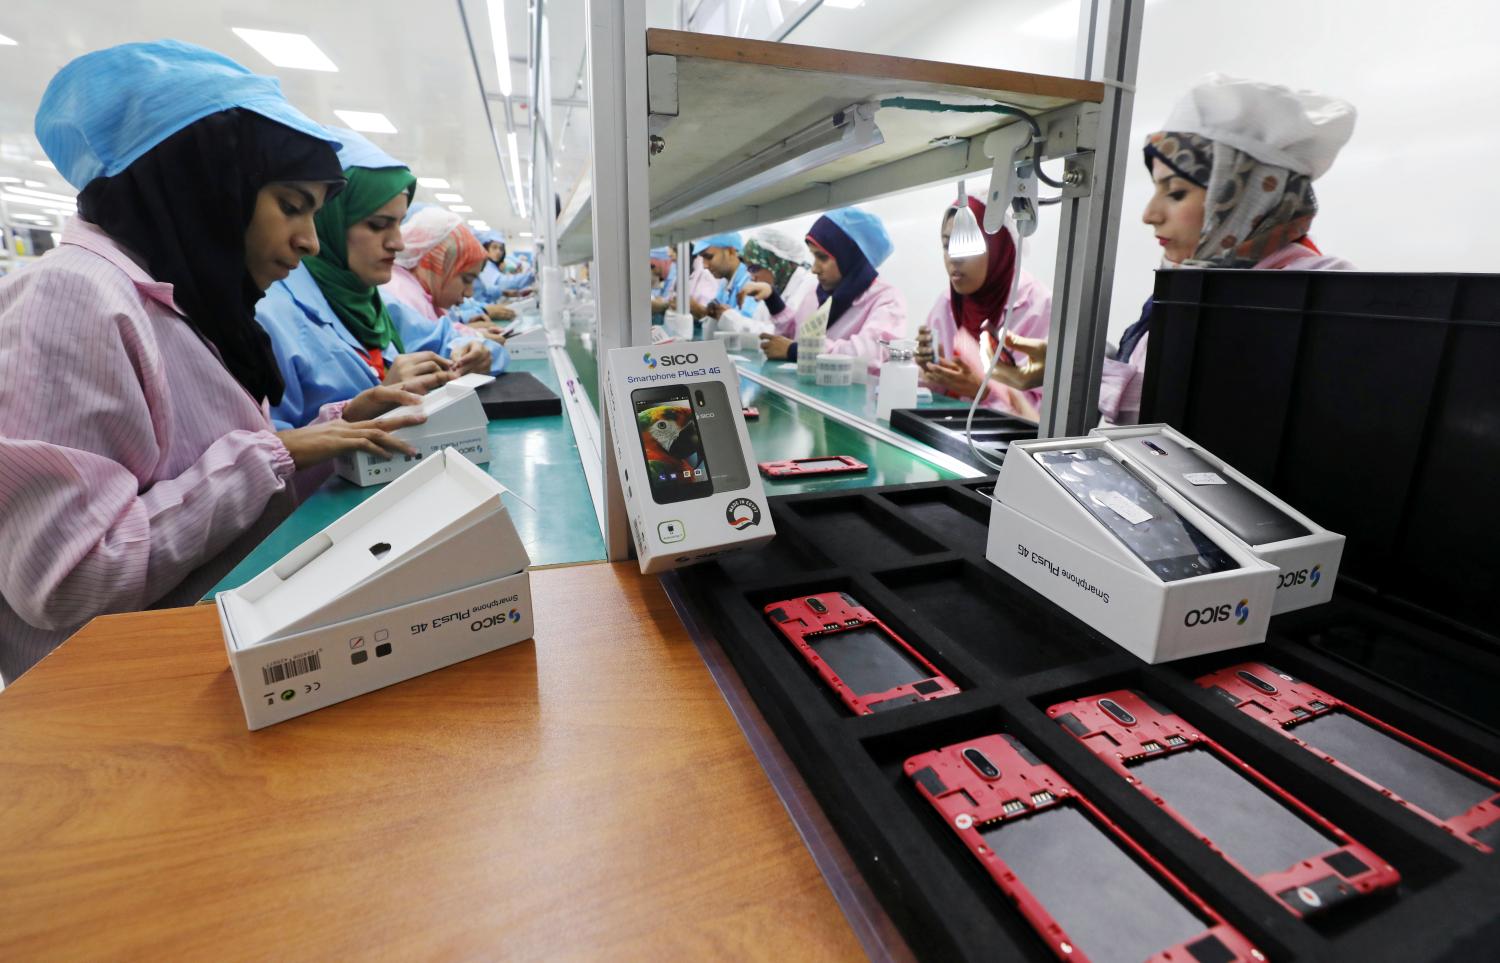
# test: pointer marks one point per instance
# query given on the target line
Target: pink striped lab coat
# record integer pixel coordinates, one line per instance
(129, 456)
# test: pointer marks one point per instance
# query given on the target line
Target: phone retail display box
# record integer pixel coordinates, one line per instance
(691, 488)
(425, 573)
(989, 828)
(1305, 554)
(455, 419)
(1136, 561)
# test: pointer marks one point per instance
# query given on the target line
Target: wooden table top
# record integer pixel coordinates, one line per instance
(585, 795)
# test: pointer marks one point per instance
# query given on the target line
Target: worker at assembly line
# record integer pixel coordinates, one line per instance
(495, 281)
(1232, 171)
(333, 333)
(969, 315)
(862, 309)
(721, 259)
(778, 262)
(434, 274)
(135, 443)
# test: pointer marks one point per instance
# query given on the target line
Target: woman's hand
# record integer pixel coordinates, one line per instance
(775, 346)
(471, 357)
(954, 376)
(408, 367)
(499, 312)
(318, 443)
(373, 402)
(755, 289)
(1024, 376)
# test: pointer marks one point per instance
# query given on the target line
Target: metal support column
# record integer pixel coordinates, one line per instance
(543, 210)
(622, 293)
(1108, 46)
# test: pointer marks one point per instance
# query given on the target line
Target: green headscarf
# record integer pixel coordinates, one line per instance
(781, 268)
(356, 303)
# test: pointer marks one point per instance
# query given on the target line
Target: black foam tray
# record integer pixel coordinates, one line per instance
(915, 556)
(943, 429)
(518, 394)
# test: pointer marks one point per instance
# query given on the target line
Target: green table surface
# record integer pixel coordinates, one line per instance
(536, 458)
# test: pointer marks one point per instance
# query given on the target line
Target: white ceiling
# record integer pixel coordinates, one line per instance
(407, 61)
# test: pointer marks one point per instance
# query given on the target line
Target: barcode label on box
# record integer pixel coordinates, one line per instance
(290, 668)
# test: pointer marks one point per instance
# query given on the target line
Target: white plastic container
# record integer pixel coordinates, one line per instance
(898, 379)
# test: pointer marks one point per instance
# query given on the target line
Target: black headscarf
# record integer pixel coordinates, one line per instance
(855, 270)
(184, 207)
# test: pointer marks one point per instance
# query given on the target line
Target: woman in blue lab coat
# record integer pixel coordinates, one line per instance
(333, 335)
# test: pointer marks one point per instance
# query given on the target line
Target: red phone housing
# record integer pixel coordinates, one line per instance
(1310, 886)
(1282, 702)
(800, 621)
(820, 465)
(972, 803)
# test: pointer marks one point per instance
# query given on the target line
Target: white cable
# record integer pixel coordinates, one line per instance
(984, 382)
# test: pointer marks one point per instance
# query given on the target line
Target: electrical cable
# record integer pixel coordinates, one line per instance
(937, 106)
(984, 382)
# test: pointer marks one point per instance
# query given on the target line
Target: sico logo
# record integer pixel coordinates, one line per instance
(668, 360)
(1218, 613)
(1303, 576)
(491, 621)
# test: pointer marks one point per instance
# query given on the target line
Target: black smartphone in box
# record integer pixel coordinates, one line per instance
(1252, 518)
(1170, 545)
(677, 467)
(721, 436)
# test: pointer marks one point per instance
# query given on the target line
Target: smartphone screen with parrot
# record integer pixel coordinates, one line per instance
(676, 466)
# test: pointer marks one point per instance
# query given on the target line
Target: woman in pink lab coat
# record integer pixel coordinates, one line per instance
(848, 246)
(135, 437)
(1232, 172)
(978, 288)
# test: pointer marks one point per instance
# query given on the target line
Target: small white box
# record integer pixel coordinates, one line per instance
(1042, 535)
(677, 431)
(528, 345)
(425, 573)
(1307, 565)
(455, 419)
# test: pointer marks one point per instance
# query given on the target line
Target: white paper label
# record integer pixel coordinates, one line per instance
(1125, 508)
(1204, 478)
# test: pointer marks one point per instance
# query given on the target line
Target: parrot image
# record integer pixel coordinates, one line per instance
(669, 436)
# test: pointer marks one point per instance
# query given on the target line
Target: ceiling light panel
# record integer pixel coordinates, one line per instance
(436, 182)
(292, 50)
(449, 198)
(366, 121)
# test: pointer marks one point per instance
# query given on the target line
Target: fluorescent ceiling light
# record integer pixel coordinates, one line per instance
(847, 132)
(515, 170)
(46, 163)
(498, 41)
(35, 184)
(526, 234)
(437, 182)
(844, 4)
(6, 41)
(480, 225)
(449, 198)
(61, 199)
(460, 208)
(294, 50)
(10, 180)
(34, 202)
(366, 121)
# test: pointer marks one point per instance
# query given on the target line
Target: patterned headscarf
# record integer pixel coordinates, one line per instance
(1252, 210)
(781, 268)
(439, 247)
